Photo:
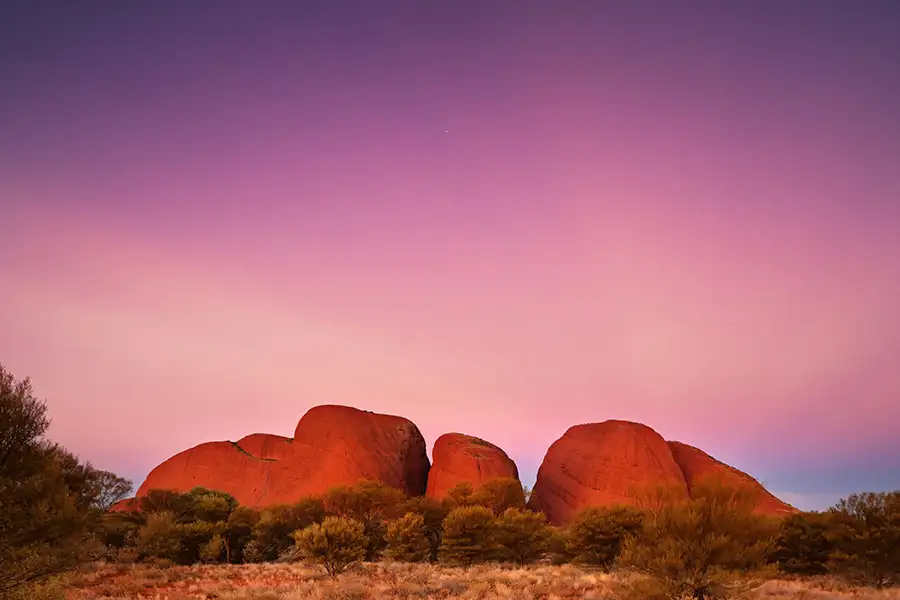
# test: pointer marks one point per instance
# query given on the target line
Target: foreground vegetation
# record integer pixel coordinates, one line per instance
(54, 517)
(396, 581)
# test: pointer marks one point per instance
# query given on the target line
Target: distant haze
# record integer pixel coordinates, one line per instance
(498, 218)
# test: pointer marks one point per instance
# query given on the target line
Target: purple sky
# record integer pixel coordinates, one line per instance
(500, 218)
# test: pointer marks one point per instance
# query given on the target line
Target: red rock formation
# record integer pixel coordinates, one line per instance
(459, 458)
(266, 445)
(603, 464)
(698, 466)
(332, 445)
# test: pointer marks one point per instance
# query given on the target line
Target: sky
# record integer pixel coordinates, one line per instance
(493, 217)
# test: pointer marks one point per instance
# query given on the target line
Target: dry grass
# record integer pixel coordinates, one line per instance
(389, 581)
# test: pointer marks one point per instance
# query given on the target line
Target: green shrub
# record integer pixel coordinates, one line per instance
(523, 536)
(252, 553)
(595, 536)
(407, 539)
(372, 504)
(867, 538)
(238, 532)
(209, 505)
(805, 543)
(213, 550)
(459, 495)
(160, 537)
(499, 494)
(708, 547)
(119, 529)
(469, 536)
(193, 537)
(433, 514)
(273, 532)
(336, 543)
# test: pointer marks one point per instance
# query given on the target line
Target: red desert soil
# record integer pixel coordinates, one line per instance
(462, 458)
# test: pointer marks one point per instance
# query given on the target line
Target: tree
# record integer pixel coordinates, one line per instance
(336, 543)
(523, 535)
(867, 538)
(468, 536)
(805, 543)
(595, 536)
(499, 494)
(407, 539)
(110, 489)
(209, 505)
(433, 514)
(372, 504)
(459, 495)
(160, 537)
(272, 533)
(48, 498)
(211, 551)
(705, 548)
(238, 532)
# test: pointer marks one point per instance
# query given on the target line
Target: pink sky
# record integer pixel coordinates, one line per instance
(490, 221)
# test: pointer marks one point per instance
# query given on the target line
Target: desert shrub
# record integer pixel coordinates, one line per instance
(365, 501)
(119, 529)
(459, 495)
(50, 502)
(159, 537)
(238, 532)
(468, 536)
(499, 494)
(336, 543)
(707, 547)
(867, 538)
(372, 504)
(523, 536)
(407, 539)
(209, 505)
(273, 532)
(595, 535)
(252, 553)
(213, 550)
(178, 505)
(192, 537)
(558, 546)
(433, 514)
(805, 543)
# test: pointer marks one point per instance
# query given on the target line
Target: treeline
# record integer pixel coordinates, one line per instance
(711, 540)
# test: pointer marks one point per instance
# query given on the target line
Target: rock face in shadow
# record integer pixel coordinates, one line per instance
(604, 464)
(459, 458)
(332, 446)
(699, 467)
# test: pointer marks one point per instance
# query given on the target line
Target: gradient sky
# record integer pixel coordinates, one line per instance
(500, 218)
